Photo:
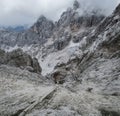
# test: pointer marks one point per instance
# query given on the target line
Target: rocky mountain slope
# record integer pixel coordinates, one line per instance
(80, 60)
(18, 58)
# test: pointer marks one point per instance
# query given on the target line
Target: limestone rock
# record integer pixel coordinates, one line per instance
(18, 58)
(43, 27)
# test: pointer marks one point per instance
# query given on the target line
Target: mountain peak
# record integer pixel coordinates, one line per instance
(117, 10)
(43, 27)
(41, 18)
(76, 5)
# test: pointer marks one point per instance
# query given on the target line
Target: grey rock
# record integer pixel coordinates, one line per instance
(36, 66)
(117, 10)
(2, 58)
(76, 5)
(71, 17)
(61, 43)
(43, 27)
(40, 31)
(18, 58)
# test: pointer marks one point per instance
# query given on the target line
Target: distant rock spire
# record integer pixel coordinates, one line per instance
(76, 5)
(117, 10)
(42, 18)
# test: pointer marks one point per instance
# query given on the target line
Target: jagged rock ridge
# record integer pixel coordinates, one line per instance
(44, 29)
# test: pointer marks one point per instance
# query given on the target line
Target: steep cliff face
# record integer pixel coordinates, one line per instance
(18, 58)
(43, 27)
(97, 57)
(73, 18)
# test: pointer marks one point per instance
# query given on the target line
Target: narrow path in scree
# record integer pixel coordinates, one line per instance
(41, 102)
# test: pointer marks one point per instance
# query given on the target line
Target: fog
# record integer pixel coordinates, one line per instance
(20, 12)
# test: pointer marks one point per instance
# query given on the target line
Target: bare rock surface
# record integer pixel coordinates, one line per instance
(27, 94)
(18, 58)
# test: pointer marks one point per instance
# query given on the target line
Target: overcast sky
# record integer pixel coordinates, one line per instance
(20, 12)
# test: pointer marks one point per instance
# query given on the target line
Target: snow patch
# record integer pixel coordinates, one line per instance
(50, 61)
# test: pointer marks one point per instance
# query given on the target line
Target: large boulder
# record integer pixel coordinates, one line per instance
(18, 58)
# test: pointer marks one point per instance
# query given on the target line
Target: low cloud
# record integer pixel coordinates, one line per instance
(20, 12)
(106, 6)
